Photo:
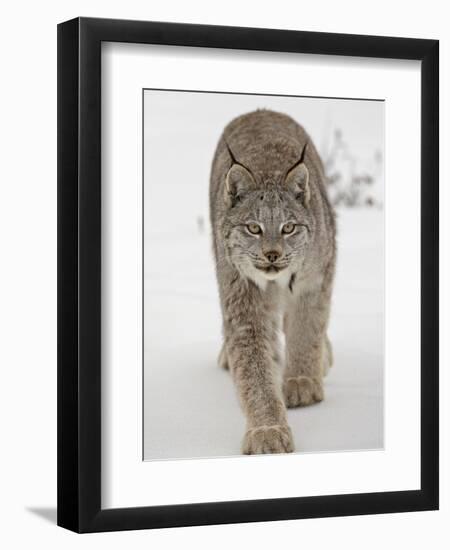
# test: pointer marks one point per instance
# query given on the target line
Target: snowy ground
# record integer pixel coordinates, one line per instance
(190, 405)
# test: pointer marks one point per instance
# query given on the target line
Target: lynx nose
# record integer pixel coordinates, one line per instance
(272, 256)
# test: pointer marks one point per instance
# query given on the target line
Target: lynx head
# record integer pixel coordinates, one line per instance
(267, 226)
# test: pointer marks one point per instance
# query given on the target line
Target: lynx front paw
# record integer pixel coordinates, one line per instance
(268, 439)
(302, 390)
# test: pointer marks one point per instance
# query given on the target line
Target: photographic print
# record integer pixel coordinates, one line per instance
(243, 292)
(263, 282)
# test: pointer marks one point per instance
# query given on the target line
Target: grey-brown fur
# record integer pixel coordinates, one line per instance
(263, 177)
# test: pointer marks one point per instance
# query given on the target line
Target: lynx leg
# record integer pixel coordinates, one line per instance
(307, 353)
(251, 336)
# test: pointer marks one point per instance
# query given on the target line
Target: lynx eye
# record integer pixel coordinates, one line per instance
(254, 228)
(288, 228)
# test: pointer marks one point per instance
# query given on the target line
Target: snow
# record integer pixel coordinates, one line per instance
(190, 405)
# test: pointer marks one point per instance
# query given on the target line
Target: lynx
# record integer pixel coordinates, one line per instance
(274, 244)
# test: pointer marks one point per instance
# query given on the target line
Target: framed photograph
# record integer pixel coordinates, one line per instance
(247, 274)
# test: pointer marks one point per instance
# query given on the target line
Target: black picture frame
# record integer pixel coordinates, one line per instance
(79, 274)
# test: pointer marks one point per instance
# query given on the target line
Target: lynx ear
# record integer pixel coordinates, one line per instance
(297, 179)
(238, 180)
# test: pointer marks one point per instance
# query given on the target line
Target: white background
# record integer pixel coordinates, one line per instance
(28, 288)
